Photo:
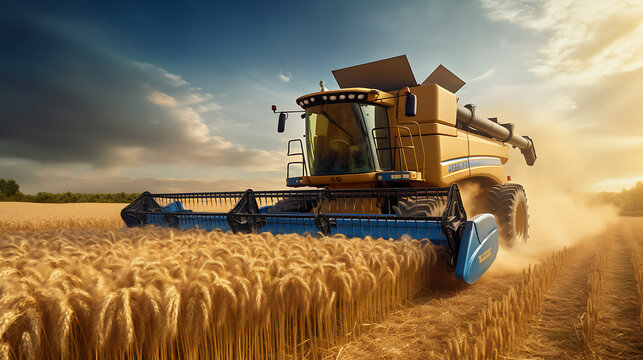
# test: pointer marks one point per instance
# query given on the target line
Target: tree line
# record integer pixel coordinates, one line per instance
(10, 191)
(629, 201)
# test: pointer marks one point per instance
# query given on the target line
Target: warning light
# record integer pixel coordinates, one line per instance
(508, 178)
(274, 108)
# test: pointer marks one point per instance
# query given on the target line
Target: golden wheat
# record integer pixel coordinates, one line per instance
(9, 226)
(15, 216)
(163, 294)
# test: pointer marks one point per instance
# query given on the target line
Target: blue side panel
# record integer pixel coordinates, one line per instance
(175, 214)
(393, 176)
(478, 248)
(189, 220)
(192, 221)
(288, 225)
(394, 228)
(293, 181)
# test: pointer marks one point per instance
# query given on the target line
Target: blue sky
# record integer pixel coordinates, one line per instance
(131, 96)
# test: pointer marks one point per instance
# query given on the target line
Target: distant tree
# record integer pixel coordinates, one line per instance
(632, 199)
(10, 191)
(629, 201)
(9, 187)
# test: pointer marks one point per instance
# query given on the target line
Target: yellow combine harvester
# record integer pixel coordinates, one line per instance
(385, 155)
(383, 130)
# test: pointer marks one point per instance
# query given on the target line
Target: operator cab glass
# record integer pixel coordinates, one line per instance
(339, 139)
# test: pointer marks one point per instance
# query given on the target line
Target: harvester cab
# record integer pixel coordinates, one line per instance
(381, 157)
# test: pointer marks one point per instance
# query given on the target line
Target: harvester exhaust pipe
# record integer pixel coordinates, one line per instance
(504, 132)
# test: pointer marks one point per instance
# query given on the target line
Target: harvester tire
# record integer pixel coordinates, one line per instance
(413, 206)
(508, 203)
(292, 206)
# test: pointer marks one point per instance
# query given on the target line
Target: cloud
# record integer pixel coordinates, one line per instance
(65, 100)
(285, 77)
(161, 99)
(173, 79)
(587, 40)
(485, 75)
(563, 102)
(210, 106)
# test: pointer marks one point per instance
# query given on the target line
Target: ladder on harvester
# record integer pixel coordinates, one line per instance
(390, 153)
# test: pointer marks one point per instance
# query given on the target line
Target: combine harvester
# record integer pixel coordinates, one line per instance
(384, 155)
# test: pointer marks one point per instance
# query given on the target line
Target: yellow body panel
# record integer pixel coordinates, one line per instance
(435, 105)
(494, 173)
(442, 148)
(339, 179)
(483, 146)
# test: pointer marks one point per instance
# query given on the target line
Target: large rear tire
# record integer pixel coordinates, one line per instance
(508, 203)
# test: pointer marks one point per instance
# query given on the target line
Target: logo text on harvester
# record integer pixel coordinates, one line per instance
(458, 166)
(484, 255)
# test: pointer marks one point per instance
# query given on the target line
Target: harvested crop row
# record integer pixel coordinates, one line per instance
(594, 290)
(162, 294)
(638, 275)
(502, 322)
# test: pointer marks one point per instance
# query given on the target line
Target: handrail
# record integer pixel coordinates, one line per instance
(304, 171)
(401, 147)
(419, 135)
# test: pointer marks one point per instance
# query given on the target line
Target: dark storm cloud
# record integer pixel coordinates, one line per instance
(65, 98)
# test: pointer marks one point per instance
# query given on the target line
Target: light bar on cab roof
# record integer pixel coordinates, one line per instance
(334, 98)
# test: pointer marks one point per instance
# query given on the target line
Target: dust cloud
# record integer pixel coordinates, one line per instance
(559, 212)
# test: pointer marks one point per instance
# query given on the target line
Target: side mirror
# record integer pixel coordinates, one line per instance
(411, 107)
(281, 126)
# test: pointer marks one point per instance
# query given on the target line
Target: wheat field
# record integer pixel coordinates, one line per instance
(20, 216)
(154, 293)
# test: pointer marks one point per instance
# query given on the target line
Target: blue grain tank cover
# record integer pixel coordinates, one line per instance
(478, 248)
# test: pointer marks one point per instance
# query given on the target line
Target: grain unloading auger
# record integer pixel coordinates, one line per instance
(385, 155)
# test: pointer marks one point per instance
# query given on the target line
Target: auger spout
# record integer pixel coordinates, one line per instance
(467, 116)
